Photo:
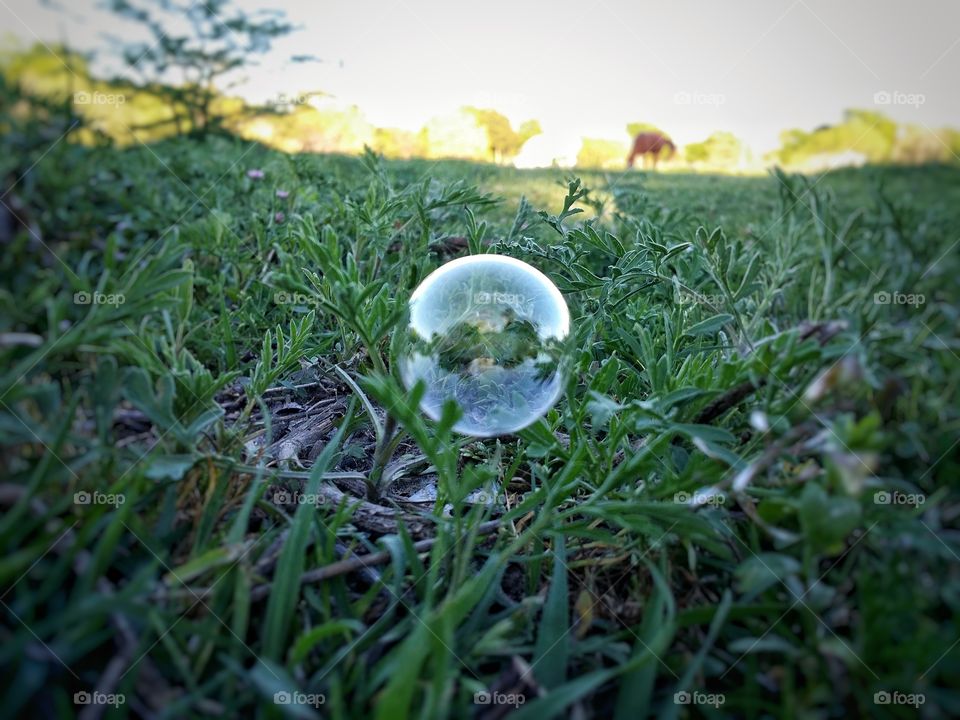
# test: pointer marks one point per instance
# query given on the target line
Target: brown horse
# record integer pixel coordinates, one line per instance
(652, 144)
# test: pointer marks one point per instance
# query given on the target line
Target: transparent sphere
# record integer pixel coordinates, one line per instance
(486, 331)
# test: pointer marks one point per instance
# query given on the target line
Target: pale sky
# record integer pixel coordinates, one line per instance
(751, 67)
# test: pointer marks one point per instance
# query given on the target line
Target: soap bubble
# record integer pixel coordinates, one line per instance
(486, 331)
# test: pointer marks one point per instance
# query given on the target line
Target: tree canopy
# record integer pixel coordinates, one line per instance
(504, 141)
(193, 48)
(721, 150)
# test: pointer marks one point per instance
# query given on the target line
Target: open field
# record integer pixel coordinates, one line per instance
(745, 504)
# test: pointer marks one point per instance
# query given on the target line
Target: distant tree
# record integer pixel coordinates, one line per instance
(459, 135)
(194, 48)
(58, 80)
(505, 142)
(394, 142)
(952, 139)
(865, 132)
(916, 145)
(528, 129)
(53, 75)
(306, 128)
(601, 153)
(720, 150)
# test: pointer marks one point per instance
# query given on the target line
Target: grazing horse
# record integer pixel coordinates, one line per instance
(652, 144)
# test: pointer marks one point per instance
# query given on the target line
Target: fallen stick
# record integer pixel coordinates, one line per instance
(361, 562)
(731, 398)
(823, 332)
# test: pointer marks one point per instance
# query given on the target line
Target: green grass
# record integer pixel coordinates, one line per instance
(727, 346)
